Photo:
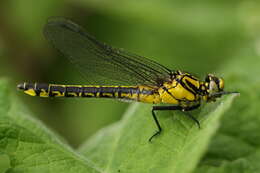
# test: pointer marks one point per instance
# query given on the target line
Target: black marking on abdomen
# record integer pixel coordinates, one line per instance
(72, 91)
(127, 90)
(28, 86)
(40, 87)
(55, 89)
(90, 91)
(147, 92)
(108, 92)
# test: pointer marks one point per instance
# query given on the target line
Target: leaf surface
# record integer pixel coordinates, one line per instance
(124, 146)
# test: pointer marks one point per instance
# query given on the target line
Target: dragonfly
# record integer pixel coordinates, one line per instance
(111, 72)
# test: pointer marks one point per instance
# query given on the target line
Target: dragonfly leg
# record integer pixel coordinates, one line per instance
(192, 118)
(161, 108)
(157, 108)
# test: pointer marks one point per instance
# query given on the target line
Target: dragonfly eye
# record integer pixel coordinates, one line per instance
(215, 84)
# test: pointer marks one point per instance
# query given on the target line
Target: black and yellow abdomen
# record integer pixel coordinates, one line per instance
(135, 93)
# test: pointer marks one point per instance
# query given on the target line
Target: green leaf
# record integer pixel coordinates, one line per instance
(4, 162)
(30, 146)
(124, 146)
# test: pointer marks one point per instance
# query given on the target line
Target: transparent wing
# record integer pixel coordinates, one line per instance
(99, 63)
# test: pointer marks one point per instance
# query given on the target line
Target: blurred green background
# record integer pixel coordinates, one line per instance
(195, 36)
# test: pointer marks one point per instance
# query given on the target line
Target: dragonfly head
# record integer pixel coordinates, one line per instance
(214, 84)
(214, 88)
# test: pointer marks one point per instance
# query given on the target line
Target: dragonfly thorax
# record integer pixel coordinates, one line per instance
(184, 90)
(187, 90)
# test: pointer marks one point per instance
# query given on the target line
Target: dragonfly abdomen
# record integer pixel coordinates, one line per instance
(136, 93)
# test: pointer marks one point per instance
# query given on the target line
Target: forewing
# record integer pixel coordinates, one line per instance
(99, 63)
